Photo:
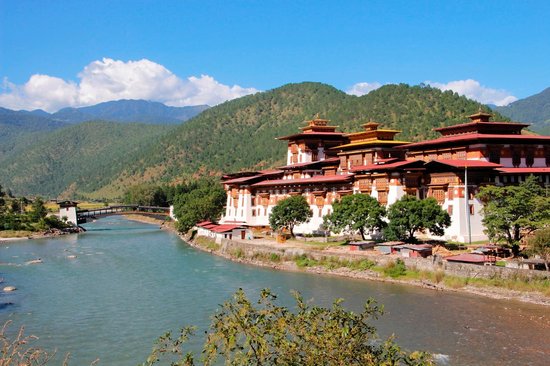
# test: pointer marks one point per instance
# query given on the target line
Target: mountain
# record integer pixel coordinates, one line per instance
(77, 159)
(17, 125)
(534, 109)
(238, 134)
(241, 134)
(141, 111)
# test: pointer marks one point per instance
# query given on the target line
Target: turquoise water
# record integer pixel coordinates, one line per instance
(131, 282)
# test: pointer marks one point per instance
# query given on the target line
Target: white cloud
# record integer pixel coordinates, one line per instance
(109, 79)
(474, 90)
(363, 88)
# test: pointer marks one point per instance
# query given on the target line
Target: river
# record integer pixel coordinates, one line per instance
(130, 282)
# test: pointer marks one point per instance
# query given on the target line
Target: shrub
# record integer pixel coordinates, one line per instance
(395, 269)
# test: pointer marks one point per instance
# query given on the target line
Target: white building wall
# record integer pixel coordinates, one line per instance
(458, 231)
(70, 214)
(395, 192)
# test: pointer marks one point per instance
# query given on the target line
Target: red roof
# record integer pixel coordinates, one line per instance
(249, 178)
(312, 134)
(319, 162)
(204, 223)
(481, 123)
(475, 137)
(470, 258)
(316, 179)
(224, 228)
(466, 163)
(384, 166)
(524, 170)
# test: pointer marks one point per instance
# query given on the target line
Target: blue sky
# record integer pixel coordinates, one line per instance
(184, 52)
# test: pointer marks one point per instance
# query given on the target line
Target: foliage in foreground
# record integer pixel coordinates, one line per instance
(18, 351)
(245, 334)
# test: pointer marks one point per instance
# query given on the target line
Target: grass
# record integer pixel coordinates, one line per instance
(207, 243)
(15, 233)
(395, 269)
(238, 253)
(303, 261)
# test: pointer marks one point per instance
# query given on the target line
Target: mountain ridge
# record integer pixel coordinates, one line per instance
(129, 110)
(534, 109)
(239, 134)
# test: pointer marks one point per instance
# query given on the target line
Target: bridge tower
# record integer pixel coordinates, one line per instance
(68, 209)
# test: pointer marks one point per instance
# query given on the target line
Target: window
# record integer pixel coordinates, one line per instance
(530, 158)
(253, 212)
(320, 213)
(472, 211)
(450, 210)
(494, 155)
(516, 158)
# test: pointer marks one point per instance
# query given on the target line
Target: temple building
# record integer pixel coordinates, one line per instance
(323, 165)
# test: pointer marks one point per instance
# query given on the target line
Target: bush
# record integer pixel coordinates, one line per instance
(395, 269)
(244, 333)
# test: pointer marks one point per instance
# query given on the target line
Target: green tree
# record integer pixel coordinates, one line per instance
(202, 200)
(290, 212)
(145, 195)
(511, 212)
(2, 200)
(267, 334)
(38, 210)
(539, 244)
(356, 212)
(409, 215)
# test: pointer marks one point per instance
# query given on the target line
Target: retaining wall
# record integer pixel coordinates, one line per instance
(428, 264)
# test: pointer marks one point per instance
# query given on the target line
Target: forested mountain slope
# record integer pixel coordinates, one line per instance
(240, 134)
(534, 109)
(75, 160)
(17, 124)
(141, 111)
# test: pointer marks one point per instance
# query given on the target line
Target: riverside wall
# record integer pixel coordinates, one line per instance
(433, 264)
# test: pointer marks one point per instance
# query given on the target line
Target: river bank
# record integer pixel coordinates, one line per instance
(299, 257)
(41, 234)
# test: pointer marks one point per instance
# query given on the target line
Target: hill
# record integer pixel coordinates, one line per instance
(15, 125)
(140, 111)
(238, 134)
(77, 159)
(534, 109)
(20, 127)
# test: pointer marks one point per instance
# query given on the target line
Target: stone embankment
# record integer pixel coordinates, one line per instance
(283, 257)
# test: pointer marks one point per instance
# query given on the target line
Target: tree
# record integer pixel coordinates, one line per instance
(539, 244)
(2, 200)
(409, 215)
(512, 212)
(38, 210)
(203, 200)
(268, 334)
(290, 212)
(145, 195)
(356, 212)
